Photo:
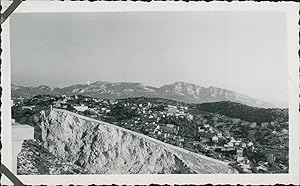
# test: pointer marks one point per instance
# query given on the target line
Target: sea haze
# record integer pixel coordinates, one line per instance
(155, 48)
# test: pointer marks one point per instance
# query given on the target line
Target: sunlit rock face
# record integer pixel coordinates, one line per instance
(95, 147)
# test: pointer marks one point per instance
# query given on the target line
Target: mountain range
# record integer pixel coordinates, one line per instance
(178, 91)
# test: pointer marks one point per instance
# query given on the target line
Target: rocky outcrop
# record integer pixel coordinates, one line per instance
(102, 148)
(35, 159)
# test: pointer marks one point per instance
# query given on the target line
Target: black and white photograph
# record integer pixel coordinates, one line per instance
(149, 92)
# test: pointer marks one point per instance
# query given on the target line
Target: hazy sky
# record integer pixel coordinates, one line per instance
(242, 51)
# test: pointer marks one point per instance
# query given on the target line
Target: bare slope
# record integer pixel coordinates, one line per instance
(103, 148)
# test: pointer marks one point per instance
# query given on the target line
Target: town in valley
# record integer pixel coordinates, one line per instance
(250, 139)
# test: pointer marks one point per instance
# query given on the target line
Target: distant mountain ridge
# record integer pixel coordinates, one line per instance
(178, 91)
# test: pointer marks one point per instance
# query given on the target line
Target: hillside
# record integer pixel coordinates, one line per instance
(244, 112)
(189, 126)
(102, 148)
(178, 91)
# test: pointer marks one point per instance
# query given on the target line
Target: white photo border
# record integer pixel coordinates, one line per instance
(289, 8)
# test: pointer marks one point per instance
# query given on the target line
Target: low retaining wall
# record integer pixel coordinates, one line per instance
(19, 134)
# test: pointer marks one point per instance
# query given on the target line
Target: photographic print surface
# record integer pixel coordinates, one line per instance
(149, 93)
